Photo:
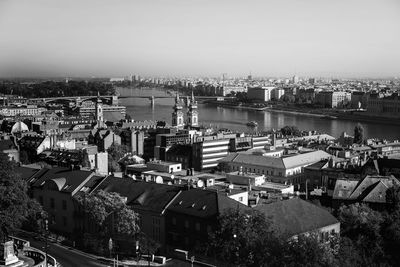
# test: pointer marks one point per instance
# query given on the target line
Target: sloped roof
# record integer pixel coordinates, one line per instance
(305, 158)
(139, 194)
(73, 178)
(284, 162)
(25, 172)
(364, 184)
(295, 216)
(243, 158)
(377, 192)
(344, 188)
(203, 203)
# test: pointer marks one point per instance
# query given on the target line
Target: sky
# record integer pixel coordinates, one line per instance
(273, 38)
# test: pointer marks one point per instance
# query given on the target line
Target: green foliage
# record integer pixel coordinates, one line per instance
(55, 89)
(248, 239)
(291, 130)
(115, 153)
(362, 225)
(358, 134)
(15, 205)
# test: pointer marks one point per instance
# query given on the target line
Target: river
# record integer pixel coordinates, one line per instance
(236, 119)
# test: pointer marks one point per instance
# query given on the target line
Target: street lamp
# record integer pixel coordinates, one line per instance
(46, 225)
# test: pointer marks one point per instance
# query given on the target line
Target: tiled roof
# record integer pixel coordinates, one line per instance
(295, 216)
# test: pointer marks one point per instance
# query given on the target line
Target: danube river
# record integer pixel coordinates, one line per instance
(236, 119)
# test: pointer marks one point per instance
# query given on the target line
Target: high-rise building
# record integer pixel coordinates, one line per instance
(193, 114)
(177, 115)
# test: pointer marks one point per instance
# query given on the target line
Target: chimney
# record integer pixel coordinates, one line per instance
(191, 171)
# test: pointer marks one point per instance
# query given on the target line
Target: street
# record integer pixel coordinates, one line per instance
(65, 256)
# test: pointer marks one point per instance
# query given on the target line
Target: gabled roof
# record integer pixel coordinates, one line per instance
(365, 184)
(305, 158)
(377, 192)
(257, 160)
(140, 194)
(66, 180)
(25, 172)
(203, 203)
(344, 188)
(295, 216)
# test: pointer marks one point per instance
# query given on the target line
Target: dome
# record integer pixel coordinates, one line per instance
(19, 127)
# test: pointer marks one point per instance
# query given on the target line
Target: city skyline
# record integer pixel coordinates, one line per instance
(200, 38)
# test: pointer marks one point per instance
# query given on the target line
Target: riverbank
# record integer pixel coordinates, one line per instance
(328, 114)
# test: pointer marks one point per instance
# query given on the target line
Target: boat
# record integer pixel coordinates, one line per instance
(330, 117)
(252, 124)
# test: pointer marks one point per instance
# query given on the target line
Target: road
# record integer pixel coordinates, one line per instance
(65, 256)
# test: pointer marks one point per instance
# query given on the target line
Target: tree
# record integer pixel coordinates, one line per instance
(104, 208)
(291, 130)
(15, 204)
(358, 134)
(248, 239)
(115, 153)
(244, 239)
(362, 225)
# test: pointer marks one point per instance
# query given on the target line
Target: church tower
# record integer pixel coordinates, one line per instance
(99, 112)
(193, 114)
(177, 115)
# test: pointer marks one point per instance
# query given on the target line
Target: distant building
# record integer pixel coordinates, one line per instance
(385, 106)
(28, 110)
(262, 94)
(359, 99)
(177, 116)
(225, 90)
(277, 93)
(193, 114)
(331, 99)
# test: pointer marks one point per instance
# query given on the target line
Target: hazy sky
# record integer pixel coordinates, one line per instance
(200, 37)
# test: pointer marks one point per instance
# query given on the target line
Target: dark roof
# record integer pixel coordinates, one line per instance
(203, 203)
(295, 216)
(318, 165)
(67, 180)
(140, 194)
(25, 172)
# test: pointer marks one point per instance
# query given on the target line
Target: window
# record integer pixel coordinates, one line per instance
(186, 224)
(64, 221)
(173, 221)
(52, 205)
(41, 200)
(197, 226)
(64, 205)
